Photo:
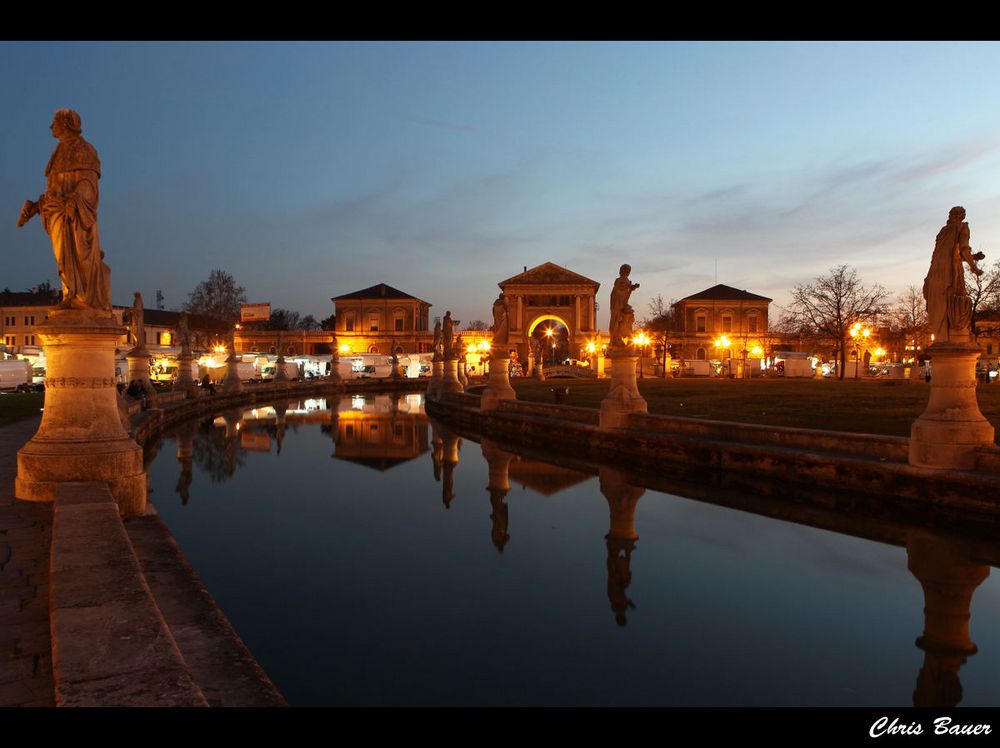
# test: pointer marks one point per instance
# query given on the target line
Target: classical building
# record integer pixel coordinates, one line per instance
(20, 311)
(704, 318)
(370, 319)
(551, 292)
(293, 342)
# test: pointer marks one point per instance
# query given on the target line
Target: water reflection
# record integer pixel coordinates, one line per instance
(384, 432)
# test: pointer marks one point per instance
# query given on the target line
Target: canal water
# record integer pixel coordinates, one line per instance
(367, 556)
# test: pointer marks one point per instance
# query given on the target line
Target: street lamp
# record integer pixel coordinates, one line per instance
(858, 333)
(549, 332)
(722, 342)
(641, 340)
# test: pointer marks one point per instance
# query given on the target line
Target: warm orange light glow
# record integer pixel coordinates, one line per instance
(757, 351)
(165, 338)
(344, 348)
(549, 332)
(722, 342)
(591, 348)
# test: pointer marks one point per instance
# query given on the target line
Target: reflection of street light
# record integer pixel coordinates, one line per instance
(858, 333)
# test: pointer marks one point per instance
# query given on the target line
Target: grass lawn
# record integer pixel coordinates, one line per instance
(17, 405)
(872, 407)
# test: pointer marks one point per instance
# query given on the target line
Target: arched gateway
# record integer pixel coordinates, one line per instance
(551, 292)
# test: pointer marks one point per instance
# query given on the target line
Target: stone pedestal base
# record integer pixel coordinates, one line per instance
(138, 370)
(232, 381)
(81, 437)
(185, 379)
(437, 374)
(498, 387)
(623, 398)
(449, 382)
(280, 375)
(949, 430)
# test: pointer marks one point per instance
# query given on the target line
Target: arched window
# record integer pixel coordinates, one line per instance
(700, 355)
(373, 348)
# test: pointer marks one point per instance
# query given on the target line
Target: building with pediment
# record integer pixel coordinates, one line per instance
(703, 318)
(551, 292)
(370, 319)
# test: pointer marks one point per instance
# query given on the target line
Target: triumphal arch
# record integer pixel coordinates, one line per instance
(551, 292)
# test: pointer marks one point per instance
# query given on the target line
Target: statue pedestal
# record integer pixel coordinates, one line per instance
(623, 398)
(498, 387)
(280, 375)
(185, 380)
(437, 374)
(81, 437)
(334, 366)
(232, 381)
(949, 430)
(449, 382)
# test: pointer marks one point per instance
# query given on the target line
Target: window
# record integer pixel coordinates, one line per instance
(727, 323)
(399, 322)
(29, 339)
(349, 430)
(373, 322)
(9, 340)
(989, 349)
(349, 323)
(700, 355)
(752, 323)
(700, 323)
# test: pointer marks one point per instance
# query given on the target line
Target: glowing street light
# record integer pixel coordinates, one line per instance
(858, 333)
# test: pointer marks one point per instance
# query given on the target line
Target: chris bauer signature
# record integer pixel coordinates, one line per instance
(942, 726)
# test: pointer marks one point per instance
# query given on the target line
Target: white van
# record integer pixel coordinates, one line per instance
(16, 375)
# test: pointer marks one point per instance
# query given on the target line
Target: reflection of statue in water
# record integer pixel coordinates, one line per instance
(622, 314)
(69, 213)
(620, 576)
(498, 530)
(949, 308)
(501, 321)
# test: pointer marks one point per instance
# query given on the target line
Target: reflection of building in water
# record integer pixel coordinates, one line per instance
(380, 432)
(622, 499)
(498, 461)
(949, 577)
(544, 478)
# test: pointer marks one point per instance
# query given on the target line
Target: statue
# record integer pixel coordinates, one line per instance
(448, 334)
(622, 315)
(438, 351)
(69, 214)
(136, 323)
(183, 333)
(949, 308)
(501, 321)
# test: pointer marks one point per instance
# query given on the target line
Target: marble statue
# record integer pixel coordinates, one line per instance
(501, 321)
(949, 308)
(69, 214)
(448, 334)
(136, 323)
(438, 351)
(184, 333)
(622, 314)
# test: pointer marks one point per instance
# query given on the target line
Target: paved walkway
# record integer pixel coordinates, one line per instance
(25, 534)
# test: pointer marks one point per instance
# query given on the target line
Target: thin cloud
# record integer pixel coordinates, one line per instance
(439, 123)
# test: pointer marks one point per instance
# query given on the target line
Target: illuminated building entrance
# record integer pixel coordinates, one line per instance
(546, 294)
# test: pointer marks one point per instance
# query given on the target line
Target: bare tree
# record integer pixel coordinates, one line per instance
(832, 303)
(984, 291)
(659, 324)
(909, 317)
(477, 325)
(217, 297)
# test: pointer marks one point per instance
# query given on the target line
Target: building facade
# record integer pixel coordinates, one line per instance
(721, 322)
(369, 320)
(551, 292)
(20, 312)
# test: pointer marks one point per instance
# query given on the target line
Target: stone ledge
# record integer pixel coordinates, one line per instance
(110, 645)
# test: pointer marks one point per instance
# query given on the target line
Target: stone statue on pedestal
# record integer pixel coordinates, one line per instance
(136, 324)
(448, 335)
(438, 348)
(949, 308)
(69, 214)
(622, 314)
(501, 321)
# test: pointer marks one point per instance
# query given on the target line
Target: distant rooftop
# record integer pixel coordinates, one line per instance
(725, 293)
(30, 298)
(379, 291)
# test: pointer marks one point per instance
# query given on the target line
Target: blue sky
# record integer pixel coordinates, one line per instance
(310, 170)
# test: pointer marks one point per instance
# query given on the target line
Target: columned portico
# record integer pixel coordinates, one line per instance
(550, 292)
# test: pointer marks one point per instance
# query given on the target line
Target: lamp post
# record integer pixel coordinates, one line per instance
(858, 333)
(723, 343)
(641, 340)
(549, 333)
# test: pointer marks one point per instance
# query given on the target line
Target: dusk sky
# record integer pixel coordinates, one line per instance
(310, 170)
